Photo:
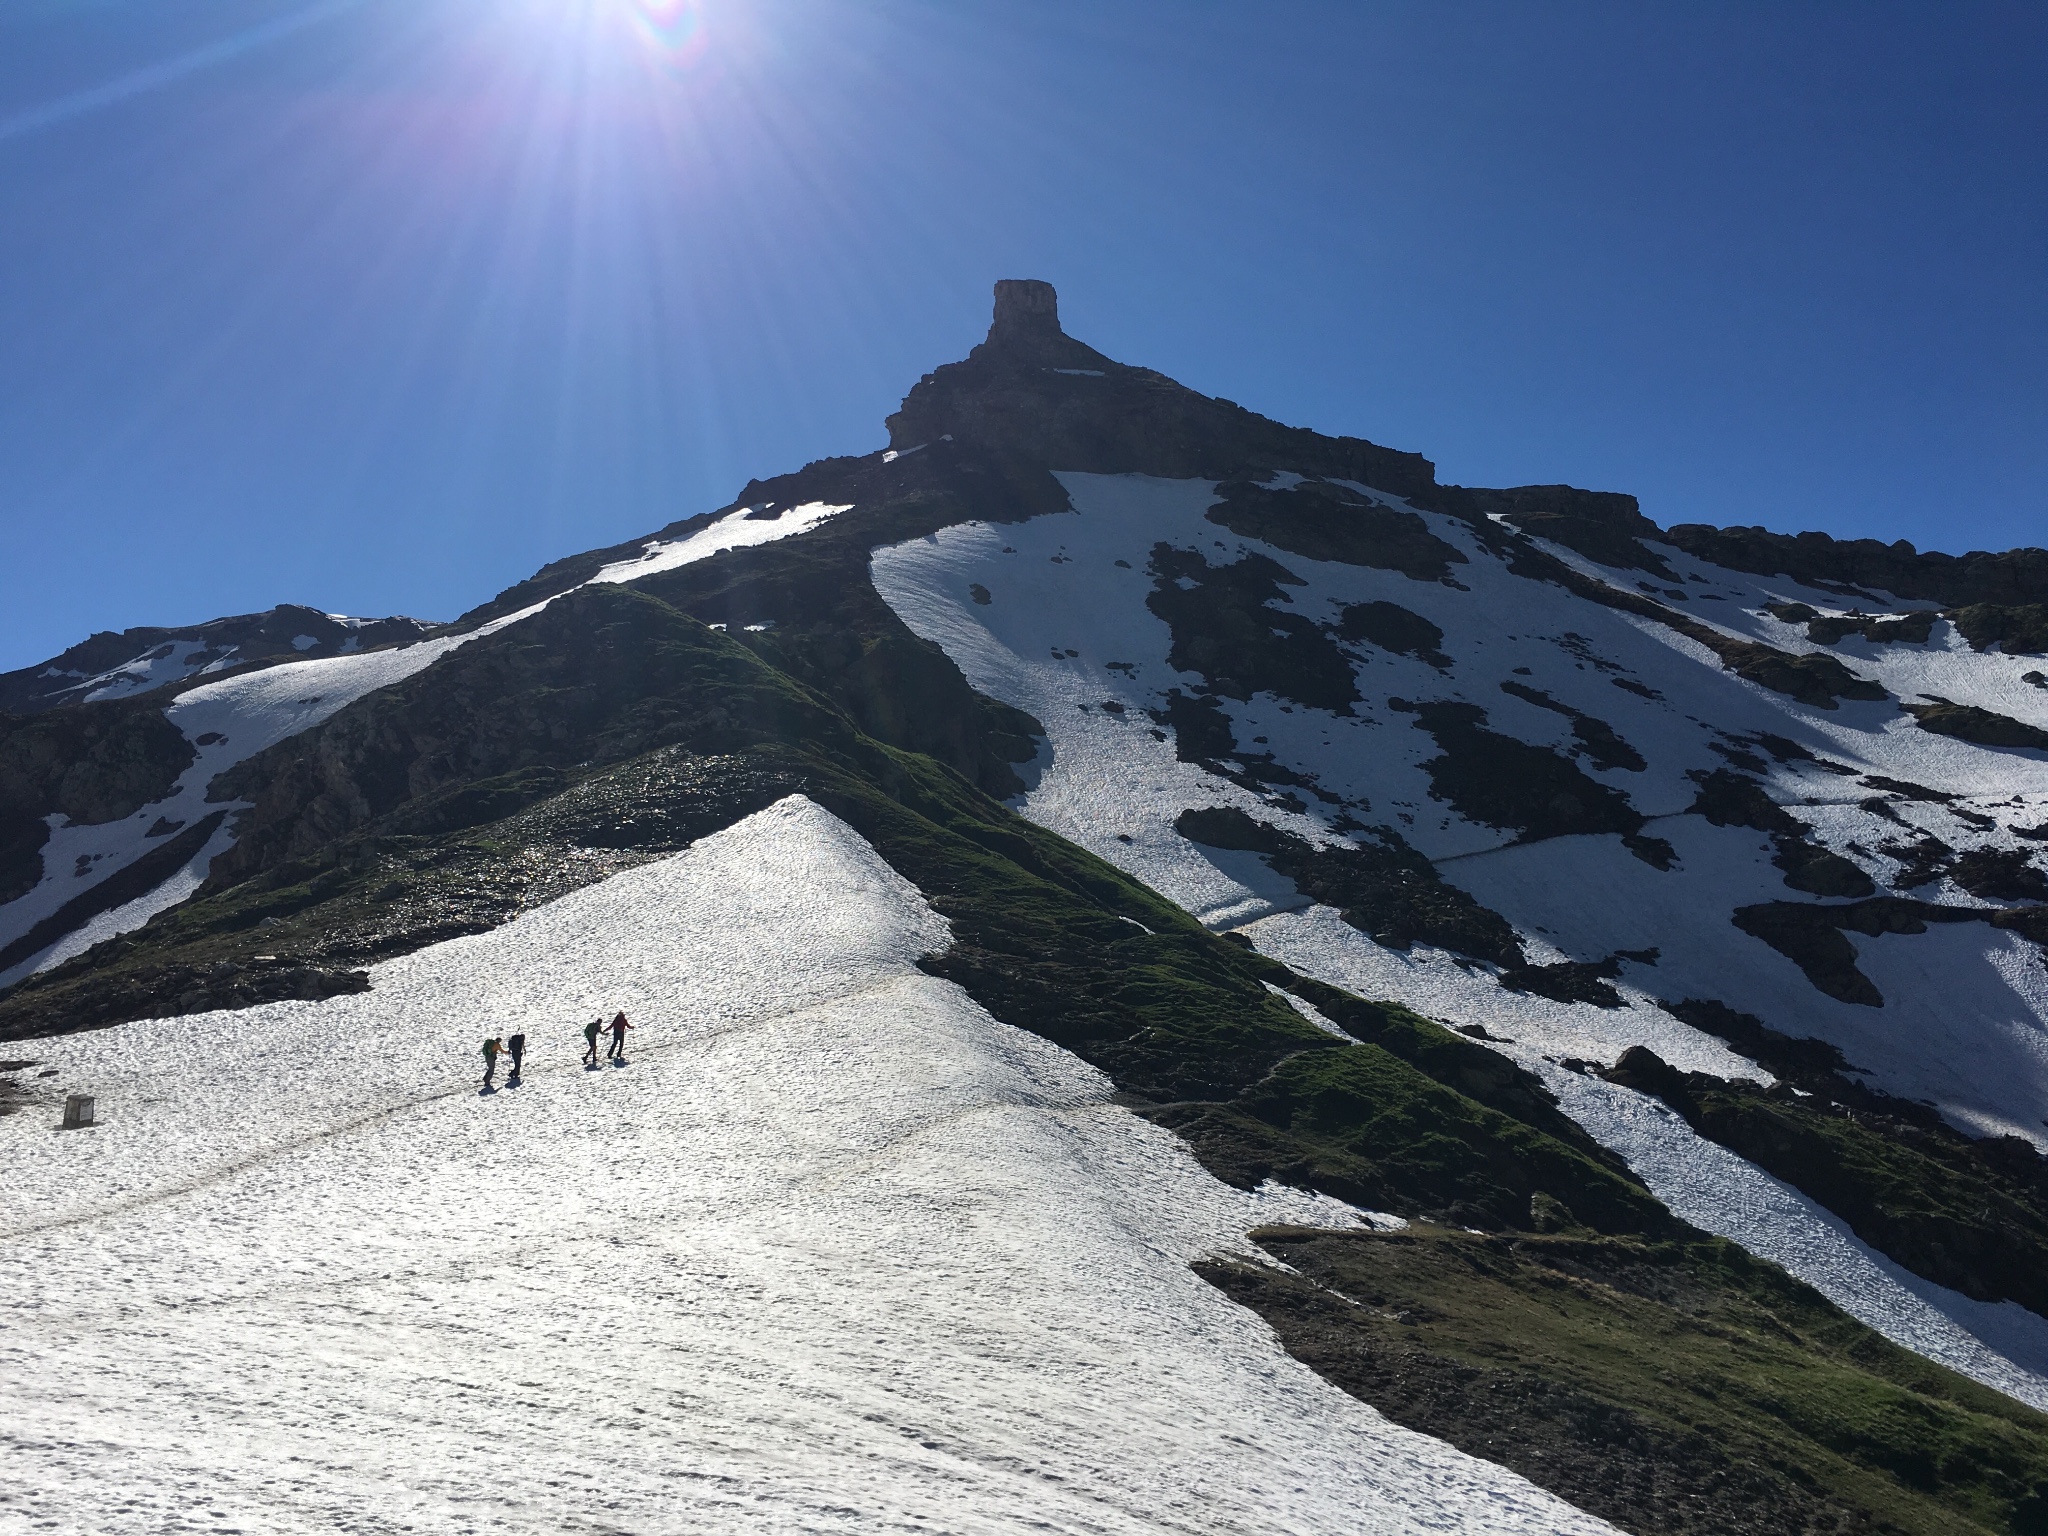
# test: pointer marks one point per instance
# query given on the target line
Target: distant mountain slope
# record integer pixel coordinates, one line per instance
(119, 666)
(1493, 858)
(1597, 775)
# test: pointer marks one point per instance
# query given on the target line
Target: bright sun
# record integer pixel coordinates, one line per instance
(672, 30)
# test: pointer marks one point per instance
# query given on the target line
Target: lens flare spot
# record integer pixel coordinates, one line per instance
(673, 28)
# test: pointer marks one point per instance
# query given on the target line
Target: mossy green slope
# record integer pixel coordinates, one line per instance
(1676, 1388)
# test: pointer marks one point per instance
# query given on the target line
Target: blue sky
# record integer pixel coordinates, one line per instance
(378, 305)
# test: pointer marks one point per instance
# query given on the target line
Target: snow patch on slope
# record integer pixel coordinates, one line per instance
(126, 918)
(1963, 1022)
(164, 664)
(736, 530)
(1318, 942)
(835, 1252)
(1114, 785)
(1062, 610)
(1945, 666)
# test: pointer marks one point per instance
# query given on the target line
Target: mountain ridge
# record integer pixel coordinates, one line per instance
(108, 665)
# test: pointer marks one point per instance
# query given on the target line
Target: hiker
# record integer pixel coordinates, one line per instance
(517, 1047)
(618, 1051)
(491, 1048)
(590, 1033)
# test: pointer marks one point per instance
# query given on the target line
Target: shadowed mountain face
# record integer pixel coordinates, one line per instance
(1033, 393)
(1653, 916)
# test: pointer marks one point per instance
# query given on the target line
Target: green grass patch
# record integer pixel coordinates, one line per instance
(1359, 1122)
(1670, 1387)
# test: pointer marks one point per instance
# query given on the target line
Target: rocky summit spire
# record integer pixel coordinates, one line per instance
(1025, 309)
(1025, 332)
(1031, 392)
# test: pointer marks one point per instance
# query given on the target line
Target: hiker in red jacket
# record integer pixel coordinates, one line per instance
(617, 1053)
(491, 1048)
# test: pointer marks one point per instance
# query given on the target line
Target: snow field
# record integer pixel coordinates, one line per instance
(1945, 665)
(836, 1251)
(1113, 781)
(1966, 1020)
(1965, 1004)
(1965, 1024)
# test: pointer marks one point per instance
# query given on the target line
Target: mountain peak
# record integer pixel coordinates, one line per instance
(1024, 334)
(1032, 392)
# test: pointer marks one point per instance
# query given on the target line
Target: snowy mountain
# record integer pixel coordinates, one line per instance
(111, 666)
(1186, 977)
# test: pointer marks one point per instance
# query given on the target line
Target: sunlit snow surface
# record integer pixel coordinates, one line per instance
(145, 672)
(835, 1252)
(736, 530)
(1062, 597)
